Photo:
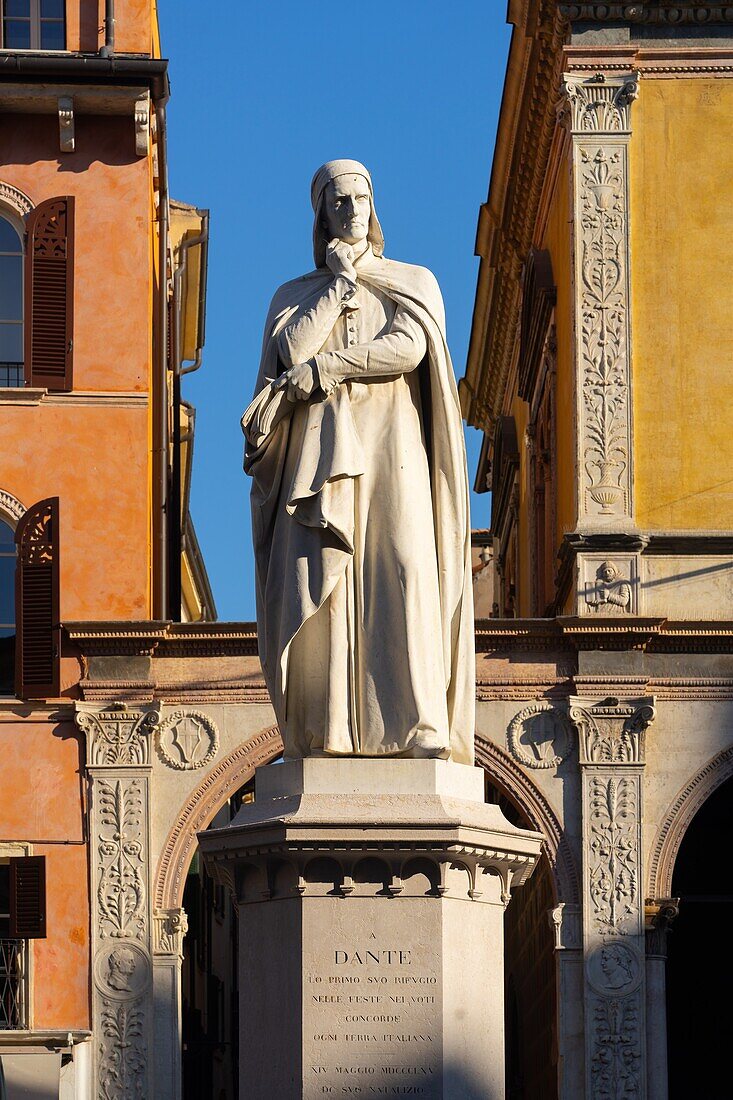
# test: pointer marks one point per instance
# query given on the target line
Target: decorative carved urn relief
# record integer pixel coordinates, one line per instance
(598, 110)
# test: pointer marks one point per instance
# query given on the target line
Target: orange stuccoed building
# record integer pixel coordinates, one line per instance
(102, 287)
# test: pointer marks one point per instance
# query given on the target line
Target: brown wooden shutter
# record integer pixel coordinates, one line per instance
(28, 898)
(49, 295)
(37, 601)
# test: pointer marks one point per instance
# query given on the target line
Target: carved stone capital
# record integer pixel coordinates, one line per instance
(659, 915)
(169, 928)
(612, 731)
(600, 104)
(116, 735)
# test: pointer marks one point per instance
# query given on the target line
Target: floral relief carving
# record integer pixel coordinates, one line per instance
(117, 735)
(604, 327)
(613, 857)
(616, 1067)
(600, 112)
(188, 739)
(122, 1053)
(121, 894)
(540, 736)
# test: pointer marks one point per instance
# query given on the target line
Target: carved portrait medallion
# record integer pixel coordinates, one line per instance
(121, 971)
(613, 970)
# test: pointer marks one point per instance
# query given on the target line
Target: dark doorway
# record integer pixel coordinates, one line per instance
(699, 968)
(530, 996)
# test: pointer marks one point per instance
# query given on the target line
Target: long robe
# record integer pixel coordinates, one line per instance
(360, 520)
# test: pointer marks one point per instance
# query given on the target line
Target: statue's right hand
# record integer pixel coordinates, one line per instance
(340, 259)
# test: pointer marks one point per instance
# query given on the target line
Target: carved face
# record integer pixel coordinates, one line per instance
(347, 207)
(608, 572)
(121, 968)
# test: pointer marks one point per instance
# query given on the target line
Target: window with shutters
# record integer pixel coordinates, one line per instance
(49, 295)
(11, 305)
(14, 949)
(37, 602)
(33, 25)
(7, 608)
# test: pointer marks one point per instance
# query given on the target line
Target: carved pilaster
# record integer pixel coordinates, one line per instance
(611, 734)
(118, 764)
(597, 110)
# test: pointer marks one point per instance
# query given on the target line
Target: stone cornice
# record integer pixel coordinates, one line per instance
(568, 633)
(165, 639)
(674, 14)
(507, 220)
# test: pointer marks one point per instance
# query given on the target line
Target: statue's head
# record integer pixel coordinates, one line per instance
(343, 205)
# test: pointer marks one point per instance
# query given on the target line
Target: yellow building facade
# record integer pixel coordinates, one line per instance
(599, 370)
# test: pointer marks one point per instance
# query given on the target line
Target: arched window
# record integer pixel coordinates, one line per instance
(7, 608)
(11, 305)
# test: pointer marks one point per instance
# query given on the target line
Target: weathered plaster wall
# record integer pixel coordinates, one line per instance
(39, 772)
(135, 31)
(681, 159)
(94, 456)
(95, 459)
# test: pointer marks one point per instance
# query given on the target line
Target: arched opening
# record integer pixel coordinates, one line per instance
(209, 976)
(11, 304)
(210, 1018)
(530, 997)
(7, 608)
(699, 974)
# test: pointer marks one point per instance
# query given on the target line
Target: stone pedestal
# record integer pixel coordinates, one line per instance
(371, 900)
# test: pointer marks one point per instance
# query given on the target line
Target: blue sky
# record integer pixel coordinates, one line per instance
(259, 100)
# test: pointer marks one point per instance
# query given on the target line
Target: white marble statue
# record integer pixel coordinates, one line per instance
(360, 499)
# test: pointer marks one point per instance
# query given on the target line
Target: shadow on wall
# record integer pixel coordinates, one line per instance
(460, 1084)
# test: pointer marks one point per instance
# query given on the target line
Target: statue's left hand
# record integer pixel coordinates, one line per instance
(301, 381)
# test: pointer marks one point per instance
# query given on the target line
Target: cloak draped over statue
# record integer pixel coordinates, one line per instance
(360, 517)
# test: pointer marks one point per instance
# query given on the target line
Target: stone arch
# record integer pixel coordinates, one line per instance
(679, 816)
(220, 783)
(10, 507)
(15, 199)
(523, 793)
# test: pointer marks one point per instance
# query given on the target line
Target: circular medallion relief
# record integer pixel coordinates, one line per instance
(121, 971)
(188, 739)
(613, 968)
(540, 736)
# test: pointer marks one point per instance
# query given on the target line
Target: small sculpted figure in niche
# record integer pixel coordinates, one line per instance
(611, 594)
(360, 499)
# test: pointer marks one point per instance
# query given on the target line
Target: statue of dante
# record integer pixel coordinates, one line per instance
(360, 499)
